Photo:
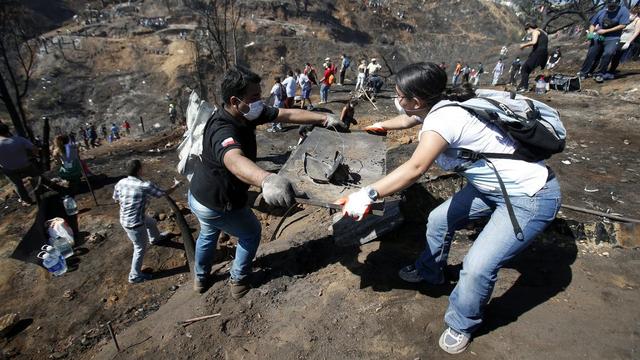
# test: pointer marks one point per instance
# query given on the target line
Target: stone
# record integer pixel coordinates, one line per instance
(7, 322)
(162, 216)
(627, 234)
(95, 238)
(69, 295)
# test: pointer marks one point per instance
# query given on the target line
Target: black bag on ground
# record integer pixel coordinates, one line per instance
(565, 83)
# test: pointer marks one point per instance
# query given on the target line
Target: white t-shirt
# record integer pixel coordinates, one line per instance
(303, 81)
(373, 68)
(290, 84)
(275, 91)
(463, 130)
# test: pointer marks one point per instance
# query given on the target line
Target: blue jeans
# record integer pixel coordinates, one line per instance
(324, 92)
(495, 245)
(139, 236)
(241, 223)
(599, 50)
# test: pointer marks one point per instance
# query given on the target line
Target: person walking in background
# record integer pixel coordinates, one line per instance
(344, 66)
(497, 72)
(478, 74)
(279, 94)
(311, 73)
(538, 56)
(290, 86)
(93, 136)
(514, 70)
(466, 72)
(16, 154)
(326, 82)
(132, 194)
(104, 132)
(456, 73)
(362, 68)
(305, 86)
(127, 127)
(115, 132)
(173, 114)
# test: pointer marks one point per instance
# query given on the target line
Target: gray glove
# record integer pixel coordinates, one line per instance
(333, 121)
(278, 190)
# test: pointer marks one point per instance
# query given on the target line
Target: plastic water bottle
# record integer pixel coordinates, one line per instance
(54, 264)
(63, 245)
(53, 251)
(70, 205)
(541, 86)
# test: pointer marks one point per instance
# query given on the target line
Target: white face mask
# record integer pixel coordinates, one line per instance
(400, 109)
(255, 109)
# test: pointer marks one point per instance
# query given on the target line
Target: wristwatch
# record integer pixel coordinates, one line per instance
(372, 193)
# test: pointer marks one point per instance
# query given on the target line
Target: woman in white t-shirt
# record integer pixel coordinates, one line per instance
(532, 189)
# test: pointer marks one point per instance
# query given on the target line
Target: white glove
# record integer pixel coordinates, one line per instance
(357, 204)
(278, 190)
(333, 121)
(626, 46)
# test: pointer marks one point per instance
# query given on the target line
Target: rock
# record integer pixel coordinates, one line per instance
(405, 140)
(95, 238)
(162, 216)
(69, 295)
(174, 288)
(58, 355)
(7, 322)
(627, 234)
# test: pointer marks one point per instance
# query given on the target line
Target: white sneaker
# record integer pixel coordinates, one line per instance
(410, 274)
(453, 342)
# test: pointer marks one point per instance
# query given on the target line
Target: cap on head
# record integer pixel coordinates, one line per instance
(327, 59)
(374, 59)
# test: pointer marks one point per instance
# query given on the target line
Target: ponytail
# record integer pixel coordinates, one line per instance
(428, 81)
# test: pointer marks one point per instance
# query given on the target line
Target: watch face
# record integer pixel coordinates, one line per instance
(373, 195)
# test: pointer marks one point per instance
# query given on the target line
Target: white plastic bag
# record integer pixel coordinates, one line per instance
(59, 227)
(190, 150)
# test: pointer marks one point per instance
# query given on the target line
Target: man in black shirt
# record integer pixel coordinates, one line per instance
(218, 192)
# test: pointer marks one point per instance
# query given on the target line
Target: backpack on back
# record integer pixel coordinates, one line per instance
(281, 95)
(534, 127)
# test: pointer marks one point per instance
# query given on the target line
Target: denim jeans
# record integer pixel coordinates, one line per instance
(599, 50)
(324, 92)
(139, 236)
(495, 245)
(241, 223)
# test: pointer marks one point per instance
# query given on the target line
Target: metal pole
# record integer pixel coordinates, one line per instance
(86, 178)
(113, 335)
(142, 123)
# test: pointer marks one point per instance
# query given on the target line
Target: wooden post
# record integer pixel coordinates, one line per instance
(142, 123)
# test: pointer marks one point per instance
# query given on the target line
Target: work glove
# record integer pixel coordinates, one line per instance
(356, 205)
(333, 121)
(376, 129)
(278, 191)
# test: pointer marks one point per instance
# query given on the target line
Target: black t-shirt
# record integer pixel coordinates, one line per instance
(212, 184)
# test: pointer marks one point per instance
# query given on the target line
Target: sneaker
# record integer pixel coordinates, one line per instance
(453, 342)
(581, 75)
(608, 76)
(142, 278)
(598, 78)
(239, 288)
(271, 130)
(199, 286)
(410, 274)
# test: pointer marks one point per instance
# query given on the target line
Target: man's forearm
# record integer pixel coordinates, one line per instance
(244, 169)
(297, 116)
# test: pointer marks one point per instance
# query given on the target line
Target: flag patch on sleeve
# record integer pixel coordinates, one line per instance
(228, 142)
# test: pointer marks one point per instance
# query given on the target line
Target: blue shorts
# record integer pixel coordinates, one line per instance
(306, 93)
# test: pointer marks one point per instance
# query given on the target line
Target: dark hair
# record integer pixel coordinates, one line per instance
(298, 71)
(133, 167)
(428, 81)
(277, 79)
(290, 73)
(4, 129)
(236, 81)
(531, 24)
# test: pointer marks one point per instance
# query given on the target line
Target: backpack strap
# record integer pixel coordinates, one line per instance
(470, 155)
